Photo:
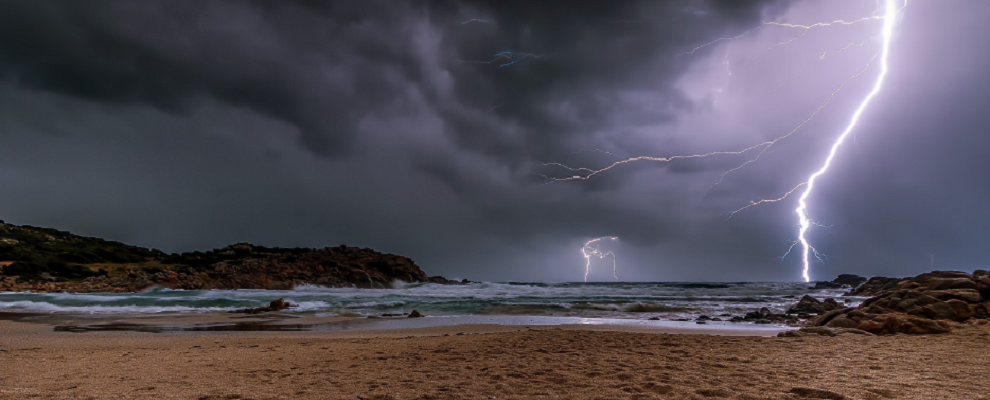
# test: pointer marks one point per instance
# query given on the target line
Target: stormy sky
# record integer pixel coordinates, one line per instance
(395, 124)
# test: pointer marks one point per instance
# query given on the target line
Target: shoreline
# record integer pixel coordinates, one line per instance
(277, 322)
(667, 301)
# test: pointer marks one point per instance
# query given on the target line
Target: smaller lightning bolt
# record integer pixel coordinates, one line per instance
(804, 28)
(847, 47)
(721, 39)
(763, 147)
(755, 203)
(475, 20)
(590, 249)
(520, 57)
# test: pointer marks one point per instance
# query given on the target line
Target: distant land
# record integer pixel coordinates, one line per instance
(49, 260)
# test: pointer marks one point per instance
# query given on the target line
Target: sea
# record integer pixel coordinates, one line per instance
(619, 300)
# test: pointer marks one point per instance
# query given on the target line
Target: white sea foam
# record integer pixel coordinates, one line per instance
(33, 306)
(624, 300)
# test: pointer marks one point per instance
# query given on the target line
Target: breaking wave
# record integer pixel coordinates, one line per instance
(610, 300)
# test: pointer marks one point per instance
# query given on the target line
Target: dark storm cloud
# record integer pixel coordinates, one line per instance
(324, 66)
(194, 124)
(321, 66)
(575, 61)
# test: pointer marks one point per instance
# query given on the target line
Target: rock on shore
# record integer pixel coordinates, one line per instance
(933, 302)
(875, 286)
(842, 281)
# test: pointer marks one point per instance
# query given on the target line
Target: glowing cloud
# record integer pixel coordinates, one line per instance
(805, 222)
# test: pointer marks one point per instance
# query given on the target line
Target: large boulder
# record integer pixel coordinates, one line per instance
(953, 310)
(875, 286)
(918, 326)
(926, 304)
(811, 305)
(966, 295)
(808, 305)
(982, 279)
(279, 304)
(842, 321)
(275, 305)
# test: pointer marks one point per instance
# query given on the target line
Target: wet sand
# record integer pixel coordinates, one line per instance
(282, 322)
(488, 362)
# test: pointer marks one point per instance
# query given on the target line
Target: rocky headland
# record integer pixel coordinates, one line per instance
(48, 260)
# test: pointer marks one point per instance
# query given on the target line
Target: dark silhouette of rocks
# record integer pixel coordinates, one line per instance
(280, 304)
(47, 260)
(415, 314)
(445, 281)
(849, 280)
(929, 303)
(843, 281)
(875, 286)
(765, 316)
(811, 305)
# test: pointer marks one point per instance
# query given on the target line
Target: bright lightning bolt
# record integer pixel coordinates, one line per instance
(802, 210)
(590, 249)
(805, 223)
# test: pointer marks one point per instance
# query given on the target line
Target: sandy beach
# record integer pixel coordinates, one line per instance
(489, 362)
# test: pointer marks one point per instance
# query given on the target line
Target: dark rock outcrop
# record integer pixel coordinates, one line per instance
(811, 305)
(874, 286)
(46, 260)
(765, 316)
(445, 281)
(850, 280)
(928, 303)
(842, 281)
(275, 305)
(827, 285)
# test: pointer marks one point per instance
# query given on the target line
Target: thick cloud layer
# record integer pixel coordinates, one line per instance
(420, 127)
